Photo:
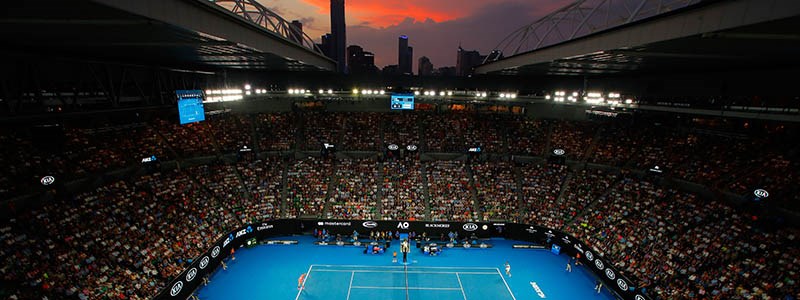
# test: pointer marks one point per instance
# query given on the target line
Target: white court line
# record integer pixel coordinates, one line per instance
(352, 274)
(308, 274)
(504, 281)
(403, 288)
(420, 267)
(414, 272)
(461, 286)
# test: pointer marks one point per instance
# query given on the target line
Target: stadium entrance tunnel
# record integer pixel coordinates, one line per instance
(182, 286)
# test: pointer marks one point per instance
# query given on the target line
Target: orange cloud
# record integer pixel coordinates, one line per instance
(390, 12)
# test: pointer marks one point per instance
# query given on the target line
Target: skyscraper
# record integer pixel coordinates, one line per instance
(404, 55)
(296, 35)
(338, 32)
(466, 60)
(424, 66)
(360, 61)
(327, 45)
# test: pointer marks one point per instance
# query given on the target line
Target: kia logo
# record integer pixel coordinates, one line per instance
(47, 180)
(760, 193)
(623, 285)
(610, 274)
(204, 262)
(370, 224)
(176, 288)
(215, 252)
(639, 297)
(559, 151)
(599, 264)
(470, 227)
(190, 275)
(589, 256)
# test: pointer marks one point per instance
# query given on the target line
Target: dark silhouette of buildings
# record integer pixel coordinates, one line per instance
(466, 61)
(360, 61)
(405, 55)
(296, 33)
(339, 35)
(326, 45)
(390, 70)
(445, 71)
(424, 66)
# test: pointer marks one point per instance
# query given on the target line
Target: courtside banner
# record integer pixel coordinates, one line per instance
(182, 286)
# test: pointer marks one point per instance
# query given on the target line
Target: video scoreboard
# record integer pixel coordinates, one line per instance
(403, 101)
(190, 106)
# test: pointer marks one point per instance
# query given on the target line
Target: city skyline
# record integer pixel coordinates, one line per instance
(436, 27)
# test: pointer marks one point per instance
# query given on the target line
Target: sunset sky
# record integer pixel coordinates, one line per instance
(434, 27)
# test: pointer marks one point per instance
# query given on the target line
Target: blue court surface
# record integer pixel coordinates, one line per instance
(336, 272)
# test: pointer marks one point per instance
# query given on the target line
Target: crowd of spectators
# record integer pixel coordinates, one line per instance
(307, 187)
(402, 129)
(573, 137)
(541, 185)
(264, 180)
(189, 140)
(276, 131)
(322, 127)
(445, 132)
(362, 131)
(126, 239)
(450, 191)
(232, 132)
(496, 187)
(355, 192)
(123, 240)
(528, 137)
(403, 190)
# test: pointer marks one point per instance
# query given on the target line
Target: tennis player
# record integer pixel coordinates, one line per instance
(508, 269)
(300, 281)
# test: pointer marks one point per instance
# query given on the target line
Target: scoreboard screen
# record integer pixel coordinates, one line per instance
(190, 106)
(403, 101)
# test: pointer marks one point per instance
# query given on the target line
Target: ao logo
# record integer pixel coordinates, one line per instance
(470, 227)
(623, 285)
(320, 223)
(176, 288)
(610, 274)
(393, 147)
(190, 275)
(204, 262)
(370, 224)
(589, 256)
(639, 297)
(402, 225)
(599, 264)
(215, 252)
(411, 147)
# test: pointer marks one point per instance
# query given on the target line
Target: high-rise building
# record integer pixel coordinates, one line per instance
(360, 61)
(390, 70)
(405, 55)
(445, 71)
(338, 33)
(296, 33)
(327, 45)
(424, 66)
(466, 60)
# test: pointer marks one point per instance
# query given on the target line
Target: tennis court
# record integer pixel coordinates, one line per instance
(339, 273)
(362, 282)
